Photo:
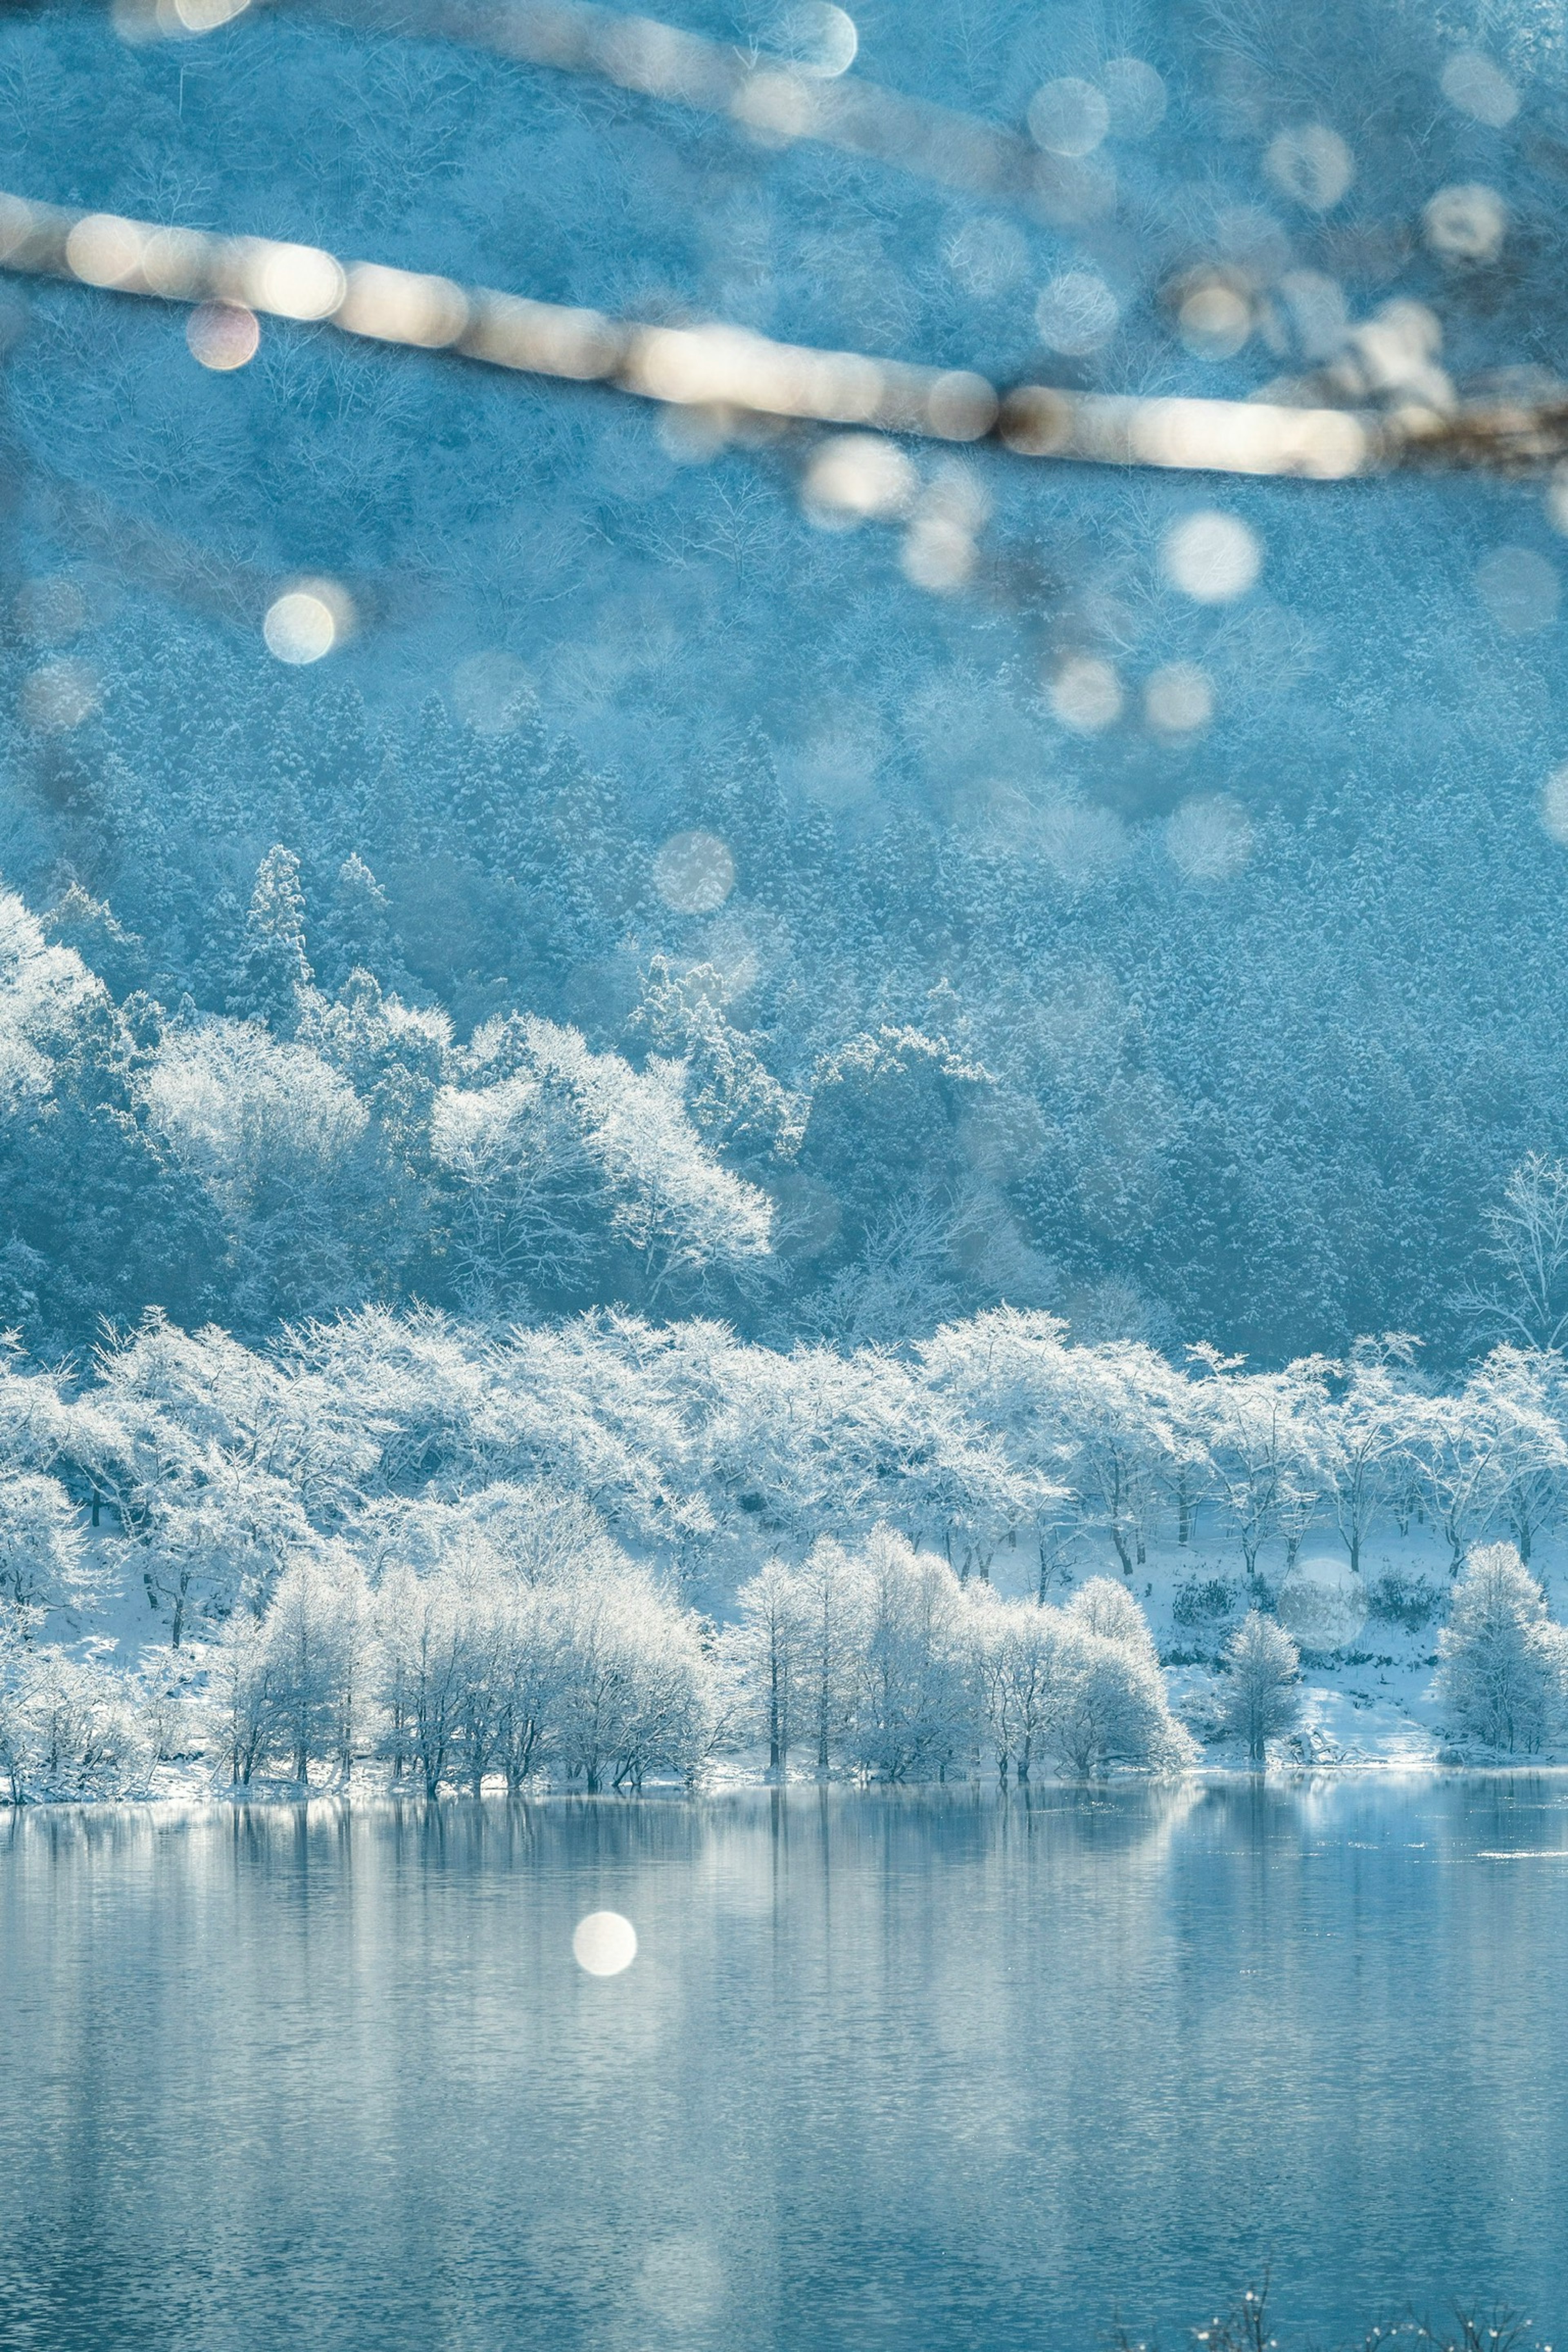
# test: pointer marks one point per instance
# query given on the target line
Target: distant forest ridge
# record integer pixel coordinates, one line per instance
(301, 1013)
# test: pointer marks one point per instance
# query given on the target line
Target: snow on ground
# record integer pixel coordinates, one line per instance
(1368, 1704)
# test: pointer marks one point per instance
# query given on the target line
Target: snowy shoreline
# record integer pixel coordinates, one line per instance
(176, 1797)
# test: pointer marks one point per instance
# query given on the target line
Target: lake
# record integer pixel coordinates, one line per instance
(938, 2069)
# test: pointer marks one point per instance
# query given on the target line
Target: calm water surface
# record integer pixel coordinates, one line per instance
(925, 2071)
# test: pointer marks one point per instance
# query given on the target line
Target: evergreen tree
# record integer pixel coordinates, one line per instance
(272, 968)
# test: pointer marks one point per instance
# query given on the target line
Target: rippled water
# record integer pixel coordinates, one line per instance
(902, 2071)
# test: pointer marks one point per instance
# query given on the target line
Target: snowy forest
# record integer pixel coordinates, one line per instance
(798, 1085)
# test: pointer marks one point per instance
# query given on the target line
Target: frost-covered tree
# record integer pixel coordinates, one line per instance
(1527, 1305)
(424, 1643)
(771, 1651)
(249, 1714)
(834, 1616)
(1503, 1664)
(1366, 1427)
(1260, 1431)
(40, 1543)
(83, 1736)
(1116, 1410)
(560, 1158)
(911, 1711)
(1258, 1695)
(1458, 1448)
(357, 933)
(272, 970)
(1521, 1395)
(1022, 1659)
(1113, 1708)
(314, 1653)
(18, 1668)
(273, 1132)
(636, 1696)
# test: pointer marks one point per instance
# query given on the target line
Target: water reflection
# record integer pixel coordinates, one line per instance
(927, 2069)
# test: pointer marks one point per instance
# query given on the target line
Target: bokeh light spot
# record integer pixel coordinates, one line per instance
(853, 475)
(59, 695)
(489, 691)
(1215, 319)
(305, 623)
(694, 873)
(1479, 90)
(1466, 223)
(817, 38)
(604, 1944)
(1077, 313)
(297, 281)
(1208, 838)
(1312, 165)
(206, 15)
(1135, 95)
(1520, 589)
(1178, 699)
(222, 335)
(1068, 117)
(103, 250)
(937, 553)
(1086, 694)
(50, 609)
(1211, 557)
(1554, 805)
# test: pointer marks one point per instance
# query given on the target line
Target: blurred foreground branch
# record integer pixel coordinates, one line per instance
(731, 375)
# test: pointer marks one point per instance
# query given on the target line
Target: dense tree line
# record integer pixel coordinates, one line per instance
(601, 1546)
(254, 1107)
(216, 1463)
(485, 1666)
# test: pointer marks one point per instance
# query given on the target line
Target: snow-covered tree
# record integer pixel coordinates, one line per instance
(1024, 1672)
(1260, 1442)
(272, 970)
(1366, 1427)
(557, 1155)
(1503, 1664)
(40, 1544)
(636, 1695)
(1258, 1696)
(83, 1736)
(911, 1711)
(1527, 1304)
(1113, 1708)
(425, 1648)
(834, 1616)
(314, 1650)
(771, 1651)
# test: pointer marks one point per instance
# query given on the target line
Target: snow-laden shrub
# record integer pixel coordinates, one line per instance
(1503, 1668)
(1205, 1601)
(1398, 1597)
(1258, 1696)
